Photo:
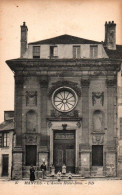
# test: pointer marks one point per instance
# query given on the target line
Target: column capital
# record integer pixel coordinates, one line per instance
(44, 82)
(19, 80)
(110, 82)
(85, 82)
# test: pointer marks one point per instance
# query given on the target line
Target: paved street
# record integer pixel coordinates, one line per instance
(85, 187)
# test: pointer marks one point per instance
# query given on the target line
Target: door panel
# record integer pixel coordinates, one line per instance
(5, 165)
(31, 151)
(59, 157)
(97, 155)
(70, 160)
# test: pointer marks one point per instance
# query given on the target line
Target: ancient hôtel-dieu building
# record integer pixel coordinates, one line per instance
(66, 104)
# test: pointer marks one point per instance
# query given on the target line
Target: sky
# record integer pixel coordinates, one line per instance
(47, 19)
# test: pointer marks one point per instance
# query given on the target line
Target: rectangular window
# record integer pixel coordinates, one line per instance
(36, 51)
(53, 52)
(93, 51)
(76, 51)
(121, 128)
(4, 139)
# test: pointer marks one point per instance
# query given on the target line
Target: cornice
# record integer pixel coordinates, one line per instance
(70, 84)
(63, 64)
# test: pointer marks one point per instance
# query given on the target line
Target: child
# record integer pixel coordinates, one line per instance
(64, 169)
(59, 175)
(69, 175)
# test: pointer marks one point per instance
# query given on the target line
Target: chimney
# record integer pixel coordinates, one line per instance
(110, 35)
(24, 31)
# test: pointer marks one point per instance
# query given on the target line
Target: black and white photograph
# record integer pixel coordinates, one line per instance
(61, 97)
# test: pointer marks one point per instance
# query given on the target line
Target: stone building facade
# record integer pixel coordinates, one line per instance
(66, 104)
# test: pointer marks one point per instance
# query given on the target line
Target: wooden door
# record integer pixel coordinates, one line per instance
(64, 151)
(5, 165)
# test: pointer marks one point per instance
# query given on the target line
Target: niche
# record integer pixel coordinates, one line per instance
(31, 121)
(98, 121)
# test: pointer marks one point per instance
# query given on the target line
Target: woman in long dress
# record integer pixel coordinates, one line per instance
(32, 174)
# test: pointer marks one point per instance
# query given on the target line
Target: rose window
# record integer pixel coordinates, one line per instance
(64, 99)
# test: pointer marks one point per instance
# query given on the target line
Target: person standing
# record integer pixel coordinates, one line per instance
(52, 171)
(43, 169)
(32, 173)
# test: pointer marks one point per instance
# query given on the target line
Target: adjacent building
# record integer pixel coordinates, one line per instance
(66, 105)
(6, 144)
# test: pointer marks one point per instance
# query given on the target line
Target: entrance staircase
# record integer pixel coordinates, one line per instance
(75, 177)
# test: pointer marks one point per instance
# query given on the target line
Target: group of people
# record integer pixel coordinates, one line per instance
(43, 172)
(42, 169)
(63, 172)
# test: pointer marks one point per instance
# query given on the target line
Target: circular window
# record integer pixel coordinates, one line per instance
(64, 99)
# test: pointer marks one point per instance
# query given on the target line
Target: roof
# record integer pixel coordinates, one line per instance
(65, 39)
(115, 54)
(7, 125)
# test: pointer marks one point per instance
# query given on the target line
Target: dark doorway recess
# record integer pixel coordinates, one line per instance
(64, 150)
(31, 152)
(97, 155)
(5, 165)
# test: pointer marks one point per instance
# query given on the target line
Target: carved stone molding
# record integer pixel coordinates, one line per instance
(49, 124)
(85, 82)
(31, 98)
(99, 73)
(64, 127)
(31, 139)
(70, 84)
(98, 138)
(44, 83)
(73, 114)
(78, 124)
(97, 95)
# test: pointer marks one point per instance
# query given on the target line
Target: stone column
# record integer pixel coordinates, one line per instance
(44, 86)
(85, 111)
(111, 157)
(18, 109)
(84, 148)
(111, 111)
(17, 151)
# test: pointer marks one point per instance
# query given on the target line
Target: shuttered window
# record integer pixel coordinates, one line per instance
(5, 140)
(93, 51)
(120, 128)
(36, 51)
(76, 51)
